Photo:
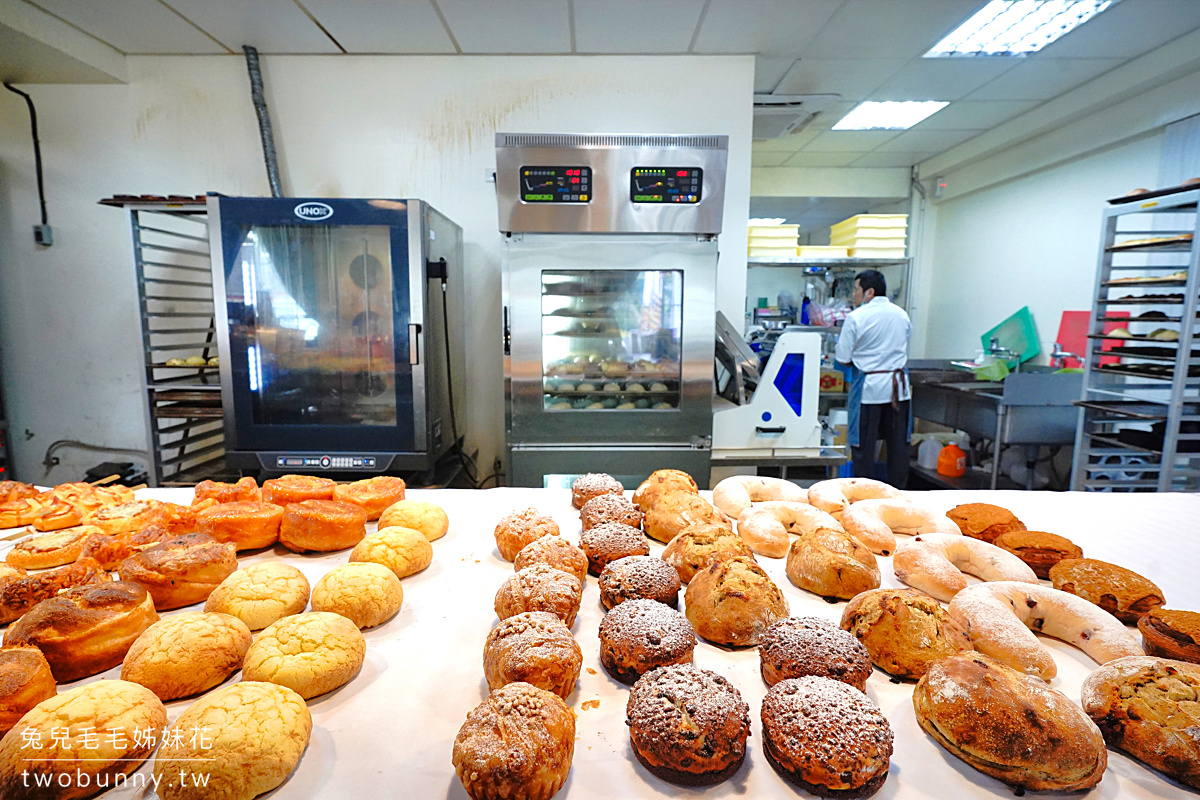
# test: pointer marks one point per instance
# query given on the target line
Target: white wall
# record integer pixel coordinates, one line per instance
(1029, 241)
(345, 126)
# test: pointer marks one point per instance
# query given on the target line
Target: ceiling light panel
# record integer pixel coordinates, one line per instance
(1016, 27)
(889, 115)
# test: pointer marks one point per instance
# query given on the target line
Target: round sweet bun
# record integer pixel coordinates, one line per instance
(367, 594)
(1009, 725)
(698, 545)
(245, 489)
(733, 602)
(609, 541)
(54, 549)
(289, 489)
(554, 551)
(87, 629)
(181, 571)
(800, 646)
(322, 526)
(520, 528)
(610, 508)
(256, 734)
(373, 494)
(688, 725)
(100, 720)
(639, 578)
(187, 653)
(904, 630)
(826, 737)
(402, 550)
(25, 681)
(534, 647)
(261, 594)
(126, 517)
(540, 588)
(592, 485)
(428, 518)
(659, 483)
(247, 524)
(311, 653)
(674, 511)
(641, 635)
(515, 745)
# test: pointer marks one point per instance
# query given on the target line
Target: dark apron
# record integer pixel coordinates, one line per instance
(857, 379)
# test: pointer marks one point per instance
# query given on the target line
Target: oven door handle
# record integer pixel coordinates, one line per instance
(414, 350)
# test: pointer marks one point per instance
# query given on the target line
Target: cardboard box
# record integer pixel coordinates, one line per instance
(833, 380)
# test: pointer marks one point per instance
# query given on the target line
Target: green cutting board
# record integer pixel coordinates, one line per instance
(1017, 333)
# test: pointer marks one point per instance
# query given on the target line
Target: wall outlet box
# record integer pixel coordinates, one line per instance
(43, 235)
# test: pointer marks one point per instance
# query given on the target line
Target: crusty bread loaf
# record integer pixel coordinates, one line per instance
(87, 629)
(1009, 725)
(1145, 706)
(733, 602)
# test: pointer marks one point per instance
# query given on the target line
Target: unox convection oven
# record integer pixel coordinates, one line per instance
(333, 349)
(608, 282)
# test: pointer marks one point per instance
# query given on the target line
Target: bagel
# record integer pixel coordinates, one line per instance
(833, 496)
(734, 495)
(765, 526)
(874, 522)
(996, 614)
(935, 563)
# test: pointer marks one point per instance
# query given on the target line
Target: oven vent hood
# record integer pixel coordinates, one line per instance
(778, 115)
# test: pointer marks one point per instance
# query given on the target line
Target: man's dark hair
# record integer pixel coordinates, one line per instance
(872, 279)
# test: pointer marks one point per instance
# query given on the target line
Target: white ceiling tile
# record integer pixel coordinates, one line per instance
(879, 159)
(368, 26)
(889, 28)
(1043, 78)
(759, 158)
(785, 144)
(849, 141)
(134, 26)
(807, 159)
(941, 78)
(853, 79)
(516, 26)
(964, 115)
(768, 70)
(272, 26)
(771, 27)
(1126, 29)
(635, 26)
(917, 141)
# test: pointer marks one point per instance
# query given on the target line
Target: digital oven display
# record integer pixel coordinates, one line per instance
(666, 184)
(556, 184)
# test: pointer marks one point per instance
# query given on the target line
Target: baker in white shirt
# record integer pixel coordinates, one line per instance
(874, 345)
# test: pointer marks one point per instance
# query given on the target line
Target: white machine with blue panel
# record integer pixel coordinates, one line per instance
(780, 419)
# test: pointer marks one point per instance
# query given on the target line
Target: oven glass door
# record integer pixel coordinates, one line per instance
(611, 339)
(318, 325)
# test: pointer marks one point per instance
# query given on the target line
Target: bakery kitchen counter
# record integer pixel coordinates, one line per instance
(389, 731)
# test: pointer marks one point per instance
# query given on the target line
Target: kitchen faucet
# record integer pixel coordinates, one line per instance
(1058, 358)
(999, 351)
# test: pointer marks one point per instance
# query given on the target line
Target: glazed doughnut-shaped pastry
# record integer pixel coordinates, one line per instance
(734, 495)
(765, 526)
(935, 563)
(875, 522)
(996, 614)
(833, 496)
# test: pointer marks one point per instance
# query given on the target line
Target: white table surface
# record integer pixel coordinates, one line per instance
(389, 732)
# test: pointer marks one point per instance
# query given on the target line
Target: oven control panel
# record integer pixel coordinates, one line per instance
(556, 184)
(666, 184)
(339, 461)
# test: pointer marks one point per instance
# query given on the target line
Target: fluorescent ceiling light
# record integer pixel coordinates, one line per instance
(1016, 27)
(891, 116)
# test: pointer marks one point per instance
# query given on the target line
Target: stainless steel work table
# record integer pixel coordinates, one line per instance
(388, 733)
